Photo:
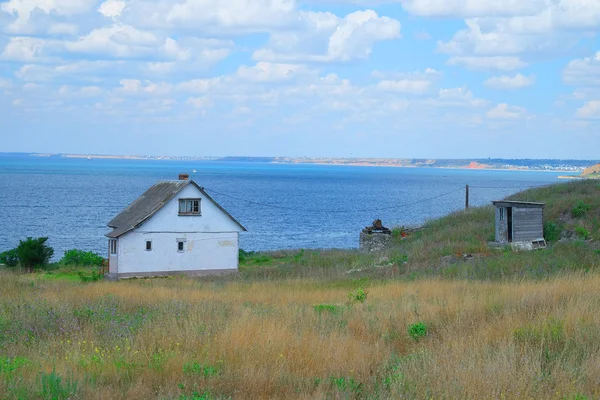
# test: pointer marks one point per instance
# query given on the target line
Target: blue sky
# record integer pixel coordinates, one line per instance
(398, 78)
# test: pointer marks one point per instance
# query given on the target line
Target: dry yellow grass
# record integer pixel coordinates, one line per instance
(171, 338)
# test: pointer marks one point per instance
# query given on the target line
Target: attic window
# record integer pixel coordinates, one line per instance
(148, 245)
(189, 206)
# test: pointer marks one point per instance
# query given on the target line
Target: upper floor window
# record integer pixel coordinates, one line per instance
(189, 206)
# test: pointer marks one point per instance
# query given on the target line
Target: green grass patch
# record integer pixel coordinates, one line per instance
(55, 387)
(582, 232)
(580, 209)
(8, 364)
(417, 331)
(329, 308)
(198, 369)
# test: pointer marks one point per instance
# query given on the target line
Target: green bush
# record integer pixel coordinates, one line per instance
(580, 209)
(398, 232)
(360, 296)
(417, 331)
(245, 255)
(34, 253)
(10, 258)
(399, 259)
(552, 231)
(80, 257)
(582, 232)
(93, 277)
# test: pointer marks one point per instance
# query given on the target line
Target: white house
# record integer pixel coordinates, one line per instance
(173, 228)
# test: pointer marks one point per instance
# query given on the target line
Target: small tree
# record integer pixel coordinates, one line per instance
(34, 253)
(10, 258)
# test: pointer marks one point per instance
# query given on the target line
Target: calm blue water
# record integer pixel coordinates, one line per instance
(282, 206)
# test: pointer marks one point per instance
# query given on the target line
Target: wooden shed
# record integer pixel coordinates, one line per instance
(520, 222)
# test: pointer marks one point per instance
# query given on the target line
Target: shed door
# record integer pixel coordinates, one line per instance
(509, 221)
(528, 224)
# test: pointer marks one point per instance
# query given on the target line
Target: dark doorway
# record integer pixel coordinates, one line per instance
(509, 220)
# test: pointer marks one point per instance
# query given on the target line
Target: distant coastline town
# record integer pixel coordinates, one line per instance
(551, 165)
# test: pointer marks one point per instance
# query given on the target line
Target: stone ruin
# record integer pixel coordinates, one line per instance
(375, 237)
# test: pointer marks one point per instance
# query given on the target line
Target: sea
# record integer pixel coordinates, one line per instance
(283, 206)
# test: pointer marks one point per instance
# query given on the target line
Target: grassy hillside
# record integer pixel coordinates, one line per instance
(572, 213)
(418, 321)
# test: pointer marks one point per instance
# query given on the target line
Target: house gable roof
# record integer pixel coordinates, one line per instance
(150, 202)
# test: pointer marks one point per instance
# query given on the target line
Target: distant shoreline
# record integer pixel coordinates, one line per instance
(565, 166)
(430, 166)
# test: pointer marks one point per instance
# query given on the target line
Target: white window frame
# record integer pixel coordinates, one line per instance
(502, 212)
(151, 245)
(112, 246)
(190, 207)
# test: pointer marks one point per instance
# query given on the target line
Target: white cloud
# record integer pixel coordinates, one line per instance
(405, 86)
(524, 15)
(355, 35)
(504, 111)
(73, 71)
(472, 8)
(63, 29)
(136, 87)
(505, 37)
(539, 29)
(324, 37)
(200, 85)
(583, 72)
(80, 92)
(590, 109)
(510, 82)
(417, 82)
(200, 102)
(458, 97)
(23, 10)
(214, 16)
(119, 41)
(489, 63)
(112, 8)
(160, 67)
(429, 74)
(5, 83)
(272, 72)
(31, 86)
(29, 49)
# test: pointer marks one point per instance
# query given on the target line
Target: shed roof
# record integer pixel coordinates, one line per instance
(148, 204)
(500, 203)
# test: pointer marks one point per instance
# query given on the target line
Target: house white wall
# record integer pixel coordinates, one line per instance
(211, 240)
(202, 252)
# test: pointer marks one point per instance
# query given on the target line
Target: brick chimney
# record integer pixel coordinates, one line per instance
(183, 177)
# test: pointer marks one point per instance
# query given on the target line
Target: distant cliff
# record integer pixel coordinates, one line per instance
(591, 172)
